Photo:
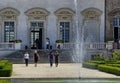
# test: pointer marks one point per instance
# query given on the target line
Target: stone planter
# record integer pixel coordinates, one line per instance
(109, 45)
(17, 46)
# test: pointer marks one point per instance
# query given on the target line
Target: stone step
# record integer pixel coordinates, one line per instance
(17, 57)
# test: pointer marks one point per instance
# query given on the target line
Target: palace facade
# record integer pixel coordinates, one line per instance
(112, 28)
(28, 20)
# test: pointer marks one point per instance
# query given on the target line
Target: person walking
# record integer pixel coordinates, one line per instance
(26, 58)
(36, 56)
(47, 43)
(37, 43)
(56, 54)
(50, 57)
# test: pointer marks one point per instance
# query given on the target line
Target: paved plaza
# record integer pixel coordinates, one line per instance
(64, 70)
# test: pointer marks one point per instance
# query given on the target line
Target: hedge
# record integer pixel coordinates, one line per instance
(114, 65)
(6, 68)
(109, 69)
(3, 81)
(97, 62)
(3, 63)
(90, 65)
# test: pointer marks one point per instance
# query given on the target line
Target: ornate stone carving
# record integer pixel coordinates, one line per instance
(64, 14)
(91, 13)
(37, 14)
(9, 13)
(64, 11)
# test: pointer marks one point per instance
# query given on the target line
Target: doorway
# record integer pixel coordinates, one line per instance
(36, 35)
(116, 33)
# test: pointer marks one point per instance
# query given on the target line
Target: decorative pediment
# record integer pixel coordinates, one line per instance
(91, 13)
(114, 12)
(36, 12)
(64, 11)
(9, 12)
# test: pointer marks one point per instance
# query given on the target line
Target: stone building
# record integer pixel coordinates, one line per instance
(112, 19)
(29, 20)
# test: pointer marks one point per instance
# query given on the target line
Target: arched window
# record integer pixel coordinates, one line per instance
(91, 23)
(64, 23)
(114, 16)
(9, 20)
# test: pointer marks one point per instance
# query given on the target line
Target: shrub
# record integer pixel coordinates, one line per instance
(3, 63)
(97, 62)
(3, 81)
(115, 55)
(5, 68)
(59, 41)
(90, 65)
(114, 65)
(110, 66)
(109, 69)
(98, 57)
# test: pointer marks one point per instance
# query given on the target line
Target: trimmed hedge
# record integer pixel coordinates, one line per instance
(98, 62)
(106, 66)
(114, 65)
(3, 81)
(109, 69)
(3, 63)
(6, 68)
(90, 65)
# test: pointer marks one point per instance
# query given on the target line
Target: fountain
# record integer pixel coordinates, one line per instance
(78, 51)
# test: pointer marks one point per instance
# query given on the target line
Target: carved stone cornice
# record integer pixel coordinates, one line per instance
(37, 14)
(9, 13)
(64, 11)
(64, 14)
(91, 13)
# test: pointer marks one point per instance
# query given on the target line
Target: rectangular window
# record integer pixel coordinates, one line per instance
(9, 32)
(64, 31)
(115, 21)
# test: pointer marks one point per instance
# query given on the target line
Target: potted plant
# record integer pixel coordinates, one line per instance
(59, 44)
(18, 41)
(59, 41)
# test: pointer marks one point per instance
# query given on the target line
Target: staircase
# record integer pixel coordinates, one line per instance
(65, 56)
(17, 57)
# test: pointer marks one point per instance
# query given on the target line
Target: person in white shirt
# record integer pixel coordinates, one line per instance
(26, 58)
(47, 43)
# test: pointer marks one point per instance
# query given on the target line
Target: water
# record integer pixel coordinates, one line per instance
(78, 51)
(64, 80)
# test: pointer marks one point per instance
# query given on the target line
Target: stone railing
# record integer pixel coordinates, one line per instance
(10, 46)
(7, 46)
(96, 45)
